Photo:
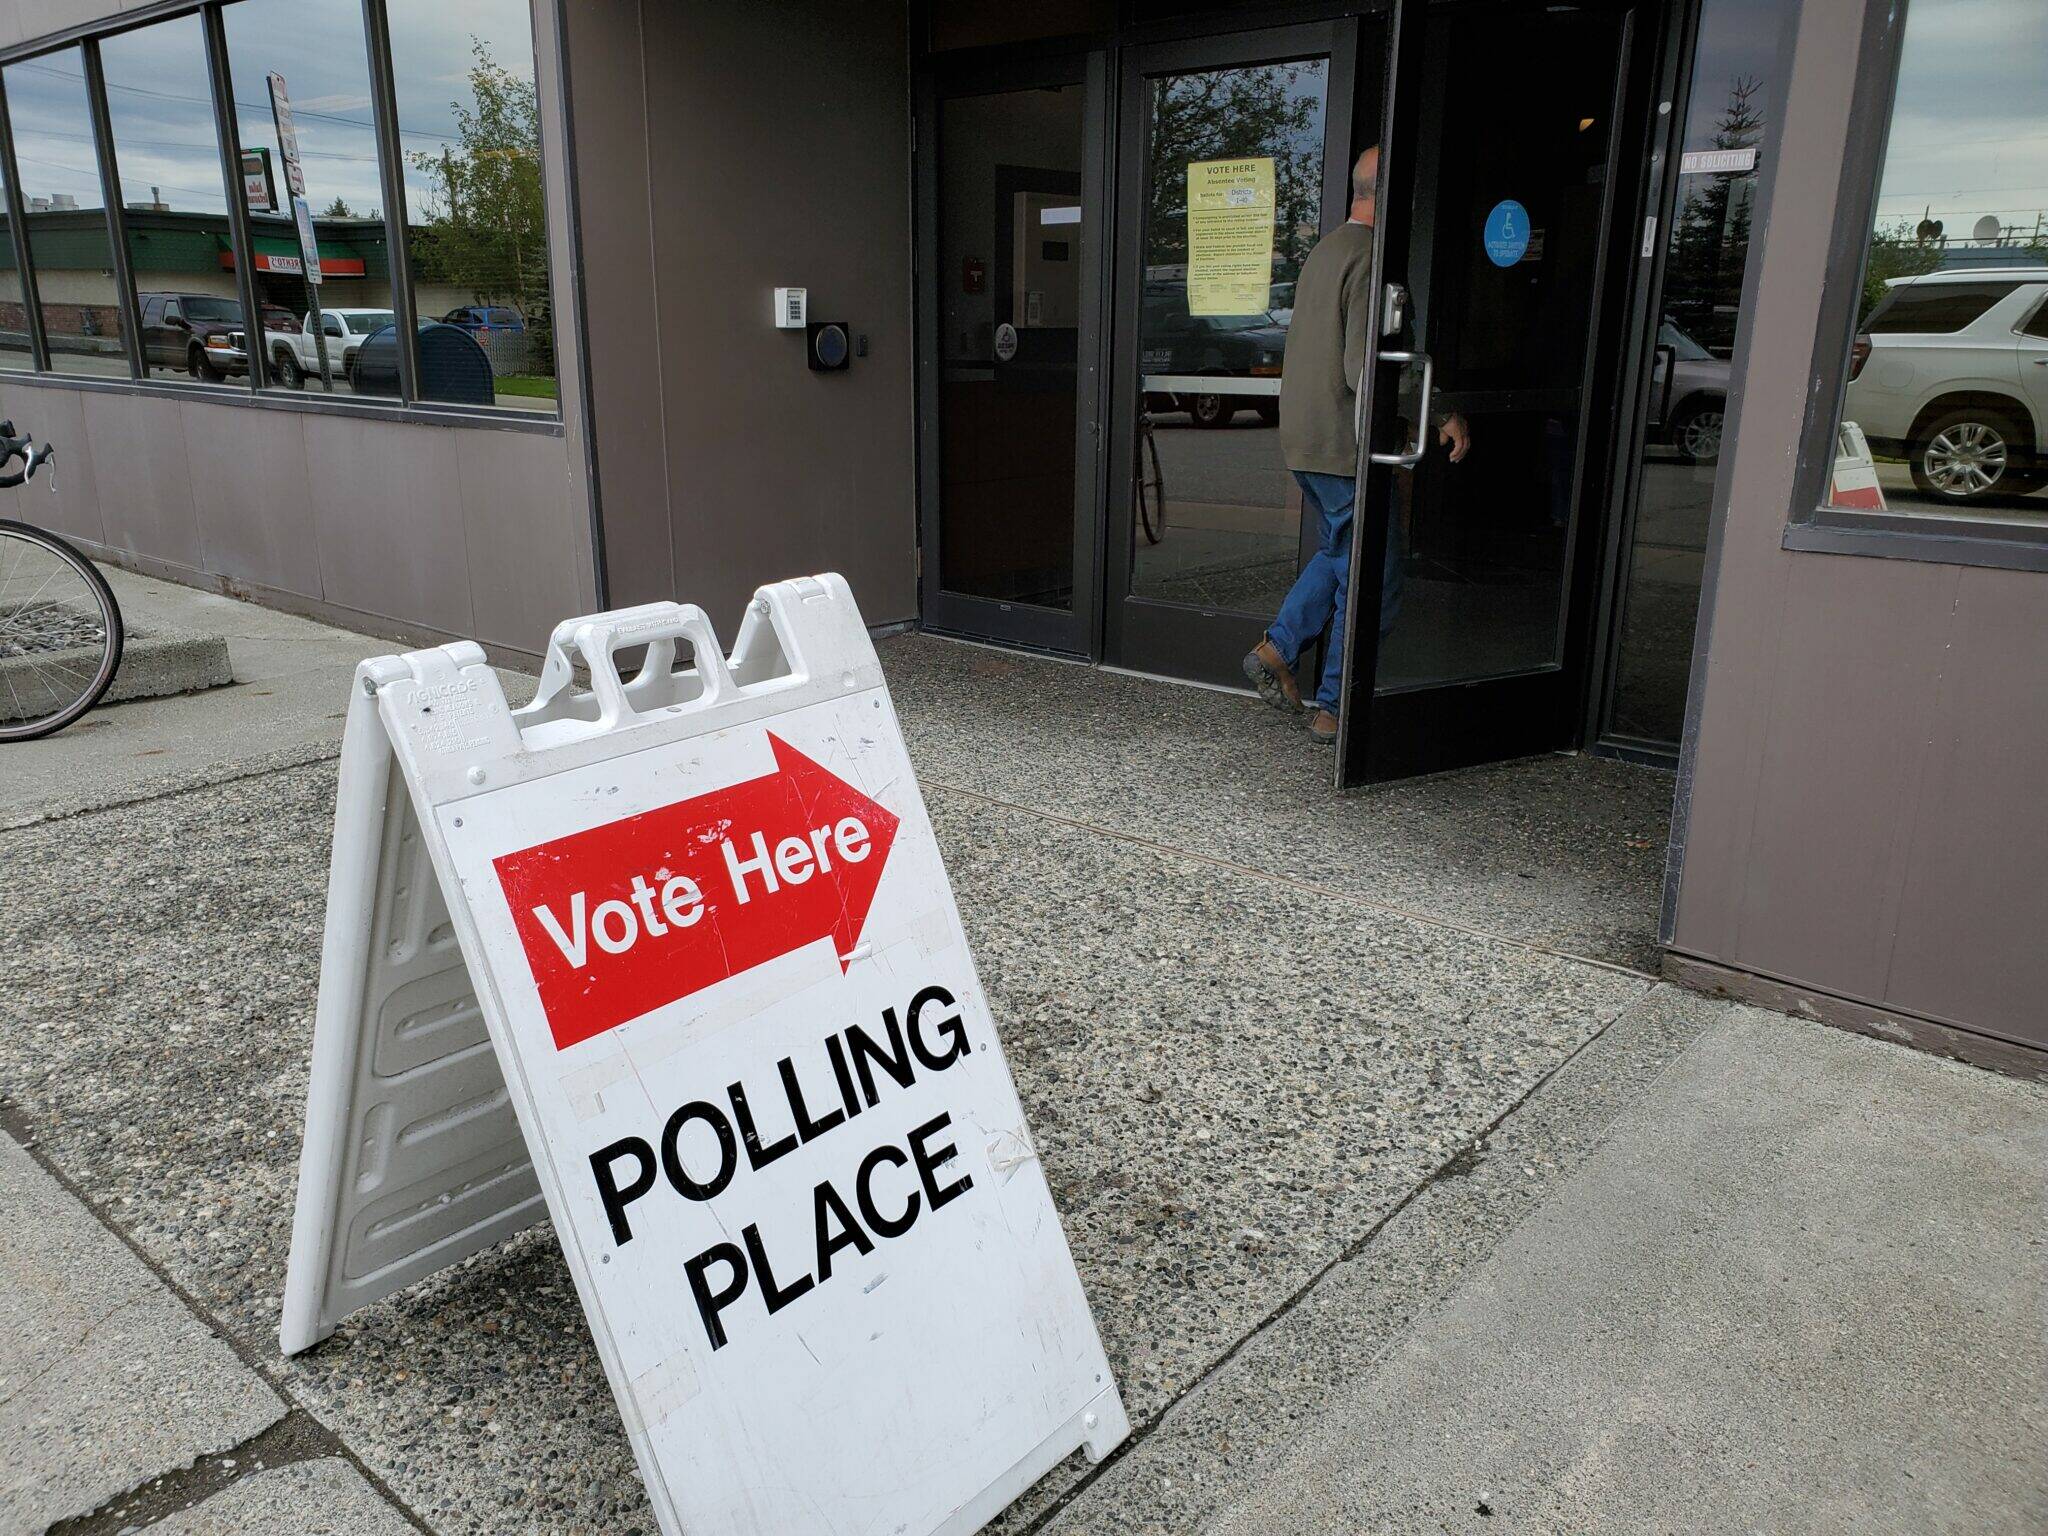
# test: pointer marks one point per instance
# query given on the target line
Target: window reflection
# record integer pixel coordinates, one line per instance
(15, 351)
(475, 218)
(64, 211)
(317, 47)
(1233, 202)
(174, 206)
(1946, 409)
(1727, 134)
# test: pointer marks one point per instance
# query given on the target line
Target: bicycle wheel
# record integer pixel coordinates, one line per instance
(1148, 487)
(60, 633)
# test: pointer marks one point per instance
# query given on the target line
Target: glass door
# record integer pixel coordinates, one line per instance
(1233, 156)
(1503, 273)
(1011, 259)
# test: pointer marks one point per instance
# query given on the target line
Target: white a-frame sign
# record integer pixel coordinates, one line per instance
(675, 961)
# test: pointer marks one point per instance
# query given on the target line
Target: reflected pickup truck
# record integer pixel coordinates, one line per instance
(295, 355)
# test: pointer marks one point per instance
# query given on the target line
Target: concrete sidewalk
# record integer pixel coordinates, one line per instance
(1797, 1288)
(1286, 1177)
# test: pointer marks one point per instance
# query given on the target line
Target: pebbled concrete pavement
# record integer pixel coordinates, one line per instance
(1310, 1108)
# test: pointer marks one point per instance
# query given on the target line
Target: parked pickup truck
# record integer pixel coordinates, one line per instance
(295, 355)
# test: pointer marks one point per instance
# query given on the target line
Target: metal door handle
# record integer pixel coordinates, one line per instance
(1420, 450)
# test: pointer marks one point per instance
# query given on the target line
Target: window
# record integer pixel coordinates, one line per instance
(316, 48)
(208, 231)
(64, 213)
(15, 352)
(2037, 324)
(1936, 307)
(174, 207)
(475, 218)
(1944, 417)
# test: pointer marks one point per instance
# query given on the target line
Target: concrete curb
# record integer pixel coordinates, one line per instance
(152, 665)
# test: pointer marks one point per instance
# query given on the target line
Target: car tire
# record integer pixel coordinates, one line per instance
(200, 366)
(1966, 457)
(1696, 430)
(1211, 410)
(286, 373)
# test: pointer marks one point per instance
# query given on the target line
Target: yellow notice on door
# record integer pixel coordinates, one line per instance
(1230, 236)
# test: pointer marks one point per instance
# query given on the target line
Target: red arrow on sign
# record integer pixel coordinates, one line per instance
(620, 919)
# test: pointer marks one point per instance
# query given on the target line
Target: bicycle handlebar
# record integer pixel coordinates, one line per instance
(32, 454)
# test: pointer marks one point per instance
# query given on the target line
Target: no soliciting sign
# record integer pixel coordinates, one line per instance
(762, 1088)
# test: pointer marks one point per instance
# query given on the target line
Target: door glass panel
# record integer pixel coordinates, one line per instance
(1012, 249)
(1504, 250)
(1232, 199)
(1704, 255)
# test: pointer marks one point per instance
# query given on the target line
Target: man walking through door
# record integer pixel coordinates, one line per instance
(1326, 340)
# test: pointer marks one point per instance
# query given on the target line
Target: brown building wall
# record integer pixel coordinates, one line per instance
(1864, 783)
(720, 152)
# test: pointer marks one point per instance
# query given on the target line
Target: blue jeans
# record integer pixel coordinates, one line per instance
(1317, 600)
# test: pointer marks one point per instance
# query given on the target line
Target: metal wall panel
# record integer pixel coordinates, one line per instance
(774, 149)
(370, 485)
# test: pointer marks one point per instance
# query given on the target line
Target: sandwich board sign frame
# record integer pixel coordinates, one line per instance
(674, 961)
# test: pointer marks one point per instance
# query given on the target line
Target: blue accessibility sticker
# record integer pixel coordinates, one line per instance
(1507, 233)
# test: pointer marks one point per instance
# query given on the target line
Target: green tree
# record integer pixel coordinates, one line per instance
(1710, 238)
(1227, 114)
(484, 228)
(1897, 251)
(339, 209)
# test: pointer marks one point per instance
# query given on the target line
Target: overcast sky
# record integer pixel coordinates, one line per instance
(1970, 132)
(163, 121)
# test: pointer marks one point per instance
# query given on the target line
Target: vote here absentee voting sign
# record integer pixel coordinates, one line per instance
(719, 964)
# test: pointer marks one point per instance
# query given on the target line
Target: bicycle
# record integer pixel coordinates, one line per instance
(60, 629)
(1148, 490)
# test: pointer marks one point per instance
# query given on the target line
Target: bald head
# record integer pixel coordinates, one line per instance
(1365, 181)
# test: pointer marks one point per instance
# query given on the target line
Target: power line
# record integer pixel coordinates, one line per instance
(250, 106)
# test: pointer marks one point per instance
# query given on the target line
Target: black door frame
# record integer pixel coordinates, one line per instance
(1070, 631)
(1151, 634)
(1399, 734)
(1658, 200)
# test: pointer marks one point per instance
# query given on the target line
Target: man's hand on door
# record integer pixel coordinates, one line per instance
(1453, 430)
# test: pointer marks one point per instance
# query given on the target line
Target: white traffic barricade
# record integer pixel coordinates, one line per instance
(675, 961)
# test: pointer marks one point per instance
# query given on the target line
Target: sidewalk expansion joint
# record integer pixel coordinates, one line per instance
(296, 1437)
(1459, 1164)
(209, 1474)
(1294, 882)
(191, 782)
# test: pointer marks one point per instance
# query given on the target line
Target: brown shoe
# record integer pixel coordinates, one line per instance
(1322, 730)
(1272, 677)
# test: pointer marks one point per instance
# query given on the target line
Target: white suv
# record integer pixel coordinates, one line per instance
(1951, 373)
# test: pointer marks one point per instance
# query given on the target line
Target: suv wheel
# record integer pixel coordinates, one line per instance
(286, 371)
(1966, 456)
(200, 366)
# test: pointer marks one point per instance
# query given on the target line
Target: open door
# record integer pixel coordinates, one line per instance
(1472, 584)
